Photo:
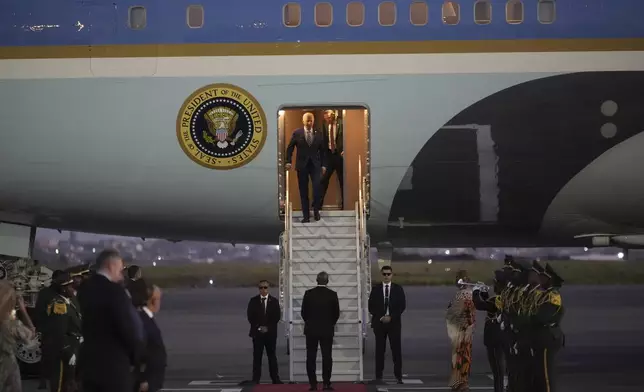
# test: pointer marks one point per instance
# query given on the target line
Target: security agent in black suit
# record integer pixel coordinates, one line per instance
(320, 312)
(150, 372)
(332, 131)
(112, 335)
(311, 162)
(387, 303)
(263, 314)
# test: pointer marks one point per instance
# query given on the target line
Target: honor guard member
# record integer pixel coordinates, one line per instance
(492, 332)
(509, 303)
(45, 296)
(525, 337)
(78, 274)
(549, 338)
(65, 331)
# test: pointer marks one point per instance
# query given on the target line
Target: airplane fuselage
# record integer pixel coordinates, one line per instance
(516, 132)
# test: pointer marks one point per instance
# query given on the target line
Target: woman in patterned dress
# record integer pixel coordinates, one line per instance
(460, 329)
(11, 329)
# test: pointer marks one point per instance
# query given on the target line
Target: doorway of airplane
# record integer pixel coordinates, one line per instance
(350, 126)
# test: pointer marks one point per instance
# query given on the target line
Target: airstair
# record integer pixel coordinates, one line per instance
(339, 245)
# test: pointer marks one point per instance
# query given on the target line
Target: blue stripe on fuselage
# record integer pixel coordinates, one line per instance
(102, 22)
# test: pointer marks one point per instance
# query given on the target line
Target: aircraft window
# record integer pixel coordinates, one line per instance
(514, 11)
(195, 16)
(323, 14)
(355, 14)
(451, 13)
(387, 13)
(418, 13)
(482, 12)
(137, 18)
(546, 11)
(292, 15)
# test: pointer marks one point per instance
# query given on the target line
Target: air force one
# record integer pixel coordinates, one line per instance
(499, 123)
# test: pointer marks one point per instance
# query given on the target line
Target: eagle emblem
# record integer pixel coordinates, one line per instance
(221, 123)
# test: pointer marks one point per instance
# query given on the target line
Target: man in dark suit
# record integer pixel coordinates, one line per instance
(334, 144)
(112, 335)
(386, 304)
(320, 312)
(150, 374)
(263, 314)
(311, 162)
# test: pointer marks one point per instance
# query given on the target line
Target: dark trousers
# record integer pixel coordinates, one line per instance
(326, 344)
(497, 365)
(62, 377)
(335, 164)
(303, 175)
(268, 341)
(513, 367)
(382, 332)
(118, 383)
(544, 375)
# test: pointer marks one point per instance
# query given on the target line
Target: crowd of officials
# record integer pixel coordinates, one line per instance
(99, 334)
(97, 329)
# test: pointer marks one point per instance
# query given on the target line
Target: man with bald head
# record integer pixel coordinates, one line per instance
(310, 163)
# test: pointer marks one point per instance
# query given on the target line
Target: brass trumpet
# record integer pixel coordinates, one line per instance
(475, 286)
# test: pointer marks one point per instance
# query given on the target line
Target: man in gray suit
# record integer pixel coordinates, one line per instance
(320, 312)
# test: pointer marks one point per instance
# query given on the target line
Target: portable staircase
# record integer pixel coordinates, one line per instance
(339, 245)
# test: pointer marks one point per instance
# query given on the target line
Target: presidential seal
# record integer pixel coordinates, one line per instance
(221, 126)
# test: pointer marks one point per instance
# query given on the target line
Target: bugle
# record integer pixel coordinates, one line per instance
(475, 286)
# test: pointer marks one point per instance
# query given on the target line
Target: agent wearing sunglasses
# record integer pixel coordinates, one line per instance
(263, 315)
(386, 304)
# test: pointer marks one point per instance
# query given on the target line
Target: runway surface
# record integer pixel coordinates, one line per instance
(206, 334)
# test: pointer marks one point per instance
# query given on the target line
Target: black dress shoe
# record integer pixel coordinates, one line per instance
(278, 382)
(328, 387)
(399, 381)
(316, 215)
(306, 220)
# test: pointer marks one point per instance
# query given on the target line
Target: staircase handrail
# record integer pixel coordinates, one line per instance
(288, 255)
(362, 207)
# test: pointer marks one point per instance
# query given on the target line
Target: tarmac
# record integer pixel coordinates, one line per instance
(206, 335)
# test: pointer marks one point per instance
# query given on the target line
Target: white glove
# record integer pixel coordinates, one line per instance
(81, 340)
(72, 360)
